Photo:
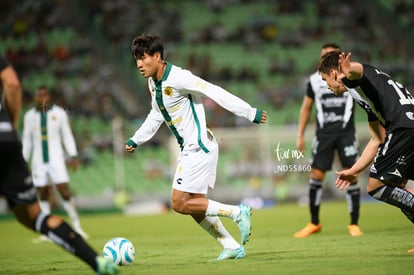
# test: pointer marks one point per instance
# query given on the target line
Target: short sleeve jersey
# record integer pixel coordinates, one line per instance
(383, 99)
(7, 132)
(334, 114)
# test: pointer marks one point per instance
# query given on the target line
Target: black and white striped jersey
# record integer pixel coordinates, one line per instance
(334, 114)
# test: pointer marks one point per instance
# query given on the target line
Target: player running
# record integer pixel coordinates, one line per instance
(177, 100)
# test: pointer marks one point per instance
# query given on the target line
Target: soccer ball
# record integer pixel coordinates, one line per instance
(119, 250)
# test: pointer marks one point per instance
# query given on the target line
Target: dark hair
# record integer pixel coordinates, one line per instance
(147, 43)
(42, 87)
(329, 61)
(330, 45)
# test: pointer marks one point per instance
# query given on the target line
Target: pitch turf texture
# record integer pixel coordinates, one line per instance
(173, 244)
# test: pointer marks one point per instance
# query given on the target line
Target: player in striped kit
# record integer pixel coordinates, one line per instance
(335, 131)
(177, 100)
(390, 109)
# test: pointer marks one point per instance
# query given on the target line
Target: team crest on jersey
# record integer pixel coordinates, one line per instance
(168, 91)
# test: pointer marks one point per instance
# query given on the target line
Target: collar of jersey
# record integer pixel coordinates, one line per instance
(165, 74)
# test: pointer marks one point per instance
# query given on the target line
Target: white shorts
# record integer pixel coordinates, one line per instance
(196, 170)
(46, 173)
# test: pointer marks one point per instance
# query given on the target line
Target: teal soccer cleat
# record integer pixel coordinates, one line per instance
(106, 266)
(228, 253)
(243, 221)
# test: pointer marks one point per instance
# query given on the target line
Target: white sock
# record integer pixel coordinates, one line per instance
(44, 206)
(220, 209)
(216, 229)
(72, 213)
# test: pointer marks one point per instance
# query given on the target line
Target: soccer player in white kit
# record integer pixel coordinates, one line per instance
(177, 100)
(47, 139)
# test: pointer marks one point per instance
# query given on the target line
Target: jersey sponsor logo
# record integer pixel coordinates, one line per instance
(402, 196)
(175, 121)
(410, 115)
(28, 194)
(395, 173)
(168, 91)
(331, 102)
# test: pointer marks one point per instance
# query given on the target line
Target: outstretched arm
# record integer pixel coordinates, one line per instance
(222, 97)
(147, 130)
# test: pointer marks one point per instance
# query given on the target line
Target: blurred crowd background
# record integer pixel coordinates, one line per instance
(260, 50)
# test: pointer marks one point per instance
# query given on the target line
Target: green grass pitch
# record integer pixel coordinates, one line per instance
(173, 244)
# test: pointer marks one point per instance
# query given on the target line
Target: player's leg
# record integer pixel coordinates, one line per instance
(40, 181)
(43, 195)
(393, 166)
(347, 149)
(214, 226)
(57, 230)
(315, 193)
(397, 196)
(322, 157)
(70, 208)
(315, 197)
(16, 186)
(196, 172)
(60, 178)
(197, 204)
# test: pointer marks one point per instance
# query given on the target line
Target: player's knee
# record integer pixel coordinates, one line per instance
(43, 193)
(373, 185)
(178, 206)
(65, 195)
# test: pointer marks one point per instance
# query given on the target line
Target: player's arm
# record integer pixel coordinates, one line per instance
(223, 98)
(67, 136)
(351, 70)
(13, 93)
(346, 177)
(304, 115)
(69, 141)
(147, 130)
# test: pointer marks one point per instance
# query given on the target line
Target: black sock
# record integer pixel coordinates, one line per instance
(315, 195)
(68, 239)
(353, 195)
(396, 196)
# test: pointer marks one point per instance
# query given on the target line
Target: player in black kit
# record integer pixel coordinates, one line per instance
(16, 181)
(335, 131)
(390, 109)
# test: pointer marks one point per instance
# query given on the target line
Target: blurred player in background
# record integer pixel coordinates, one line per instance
(177, 100)
(17, 187)
(390, 109)
(335, 131)
(47, 139)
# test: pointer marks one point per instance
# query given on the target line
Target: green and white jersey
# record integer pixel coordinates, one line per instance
(47, 136)
(177, 101)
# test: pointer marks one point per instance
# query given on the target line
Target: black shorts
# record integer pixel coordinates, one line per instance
(324, 147)
(394, 161)
(15, 179)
